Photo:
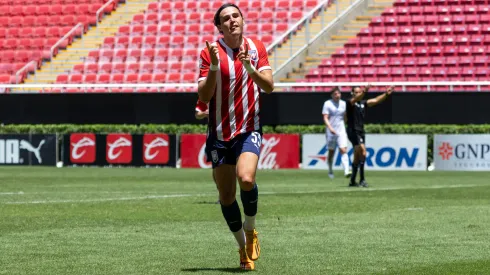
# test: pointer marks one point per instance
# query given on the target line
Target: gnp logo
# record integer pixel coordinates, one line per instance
(82, 148)
(445, 151)
(464, 151)
(119, 148)
(10, 150)
(383, 157)
(155, 149)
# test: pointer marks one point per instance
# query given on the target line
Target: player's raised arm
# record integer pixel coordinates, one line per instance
(209, 65)
(358, 94)
(263, 78)
(377, 100)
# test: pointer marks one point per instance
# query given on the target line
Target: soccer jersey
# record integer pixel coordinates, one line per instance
(234, 108)
(356, 114)
(335, 112)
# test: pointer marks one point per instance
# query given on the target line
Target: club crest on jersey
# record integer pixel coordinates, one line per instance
(253, 55)
(214, 156)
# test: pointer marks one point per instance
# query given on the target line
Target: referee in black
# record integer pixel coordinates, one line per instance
(356, 113)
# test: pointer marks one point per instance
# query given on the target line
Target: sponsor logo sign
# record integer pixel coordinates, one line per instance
(155, 148)
(119, 148)
(28, 149)
(383, 152)
(462, 152)
(82, 148)
(277, 151)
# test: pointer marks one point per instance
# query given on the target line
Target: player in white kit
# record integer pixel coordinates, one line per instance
(334, 117)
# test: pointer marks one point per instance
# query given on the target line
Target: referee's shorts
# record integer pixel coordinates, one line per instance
(356, 137)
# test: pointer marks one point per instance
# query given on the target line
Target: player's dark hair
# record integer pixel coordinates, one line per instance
(334, 89)
(354, 87)
(217, 22)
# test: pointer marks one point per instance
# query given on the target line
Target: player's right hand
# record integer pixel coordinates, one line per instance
(390, 90)
(368, 86)
(213, 52)
(332, 131)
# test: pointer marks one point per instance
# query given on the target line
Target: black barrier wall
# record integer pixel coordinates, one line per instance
(276, 108)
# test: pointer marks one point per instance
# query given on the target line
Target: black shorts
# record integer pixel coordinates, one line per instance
(227, 152)
(356, 137)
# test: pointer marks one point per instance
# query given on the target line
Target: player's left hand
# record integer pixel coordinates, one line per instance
(243, 55)
(390, 90)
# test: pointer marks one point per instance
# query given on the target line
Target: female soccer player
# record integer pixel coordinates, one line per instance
(232, 73)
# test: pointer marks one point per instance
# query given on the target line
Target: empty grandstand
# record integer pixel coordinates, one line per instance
(117, 42)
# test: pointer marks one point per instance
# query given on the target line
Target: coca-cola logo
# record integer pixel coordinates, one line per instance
(202, 158)
(268, 158)
(82, 148)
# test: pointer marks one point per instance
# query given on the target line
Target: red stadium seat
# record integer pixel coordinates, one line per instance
(167, 38)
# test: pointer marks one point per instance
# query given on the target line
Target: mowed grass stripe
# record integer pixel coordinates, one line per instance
(167, 196)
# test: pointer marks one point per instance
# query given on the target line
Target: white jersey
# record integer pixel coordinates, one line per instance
(335, 112)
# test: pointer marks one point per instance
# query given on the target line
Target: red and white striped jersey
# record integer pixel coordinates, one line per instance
(234, 108)
(201, 106)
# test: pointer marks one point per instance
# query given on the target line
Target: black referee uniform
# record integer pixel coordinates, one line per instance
(355, 122)
(355, 132)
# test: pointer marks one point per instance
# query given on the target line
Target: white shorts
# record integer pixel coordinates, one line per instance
(339, 140)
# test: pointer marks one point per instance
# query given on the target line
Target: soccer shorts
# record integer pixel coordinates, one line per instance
(227, 152)
(356, 137)
(339, 140)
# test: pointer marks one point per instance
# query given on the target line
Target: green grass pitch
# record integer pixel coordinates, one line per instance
(165, 221)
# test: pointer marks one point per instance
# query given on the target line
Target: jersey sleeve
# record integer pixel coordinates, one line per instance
(263, 63)
(325, 108)
(204, 63)
(364, 102)
(201, 106)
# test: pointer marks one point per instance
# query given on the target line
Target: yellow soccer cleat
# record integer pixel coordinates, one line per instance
(245, 262)
(253, 245)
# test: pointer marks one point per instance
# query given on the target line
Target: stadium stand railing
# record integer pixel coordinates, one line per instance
(450, 86)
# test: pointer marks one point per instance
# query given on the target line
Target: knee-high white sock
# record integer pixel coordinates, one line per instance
(240, 237)
(345, 162)
(249, 223)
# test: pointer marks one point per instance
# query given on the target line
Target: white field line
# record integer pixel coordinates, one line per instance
(353, 189)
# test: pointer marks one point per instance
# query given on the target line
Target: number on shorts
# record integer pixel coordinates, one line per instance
(256, 139)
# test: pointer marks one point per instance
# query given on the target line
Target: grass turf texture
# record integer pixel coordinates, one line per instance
(164, 221)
